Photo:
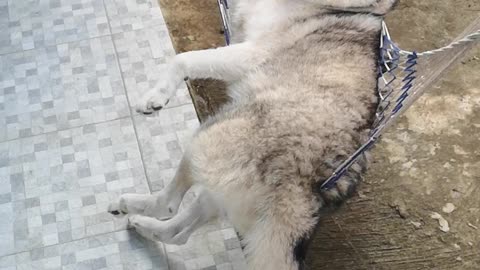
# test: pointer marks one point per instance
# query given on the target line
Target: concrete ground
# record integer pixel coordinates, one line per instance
(428, 163)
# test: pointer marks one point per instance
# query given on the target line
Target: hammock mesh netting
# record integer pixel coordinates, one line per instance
(403, 76)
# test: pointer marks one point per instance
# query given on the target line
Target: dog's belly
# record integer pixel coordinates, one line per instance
(239, 206)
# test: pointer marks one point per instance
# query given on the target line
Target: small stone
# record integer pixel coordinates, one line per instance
(448, 208)
(459, 259)
(401, 208)
(455, 193)
(417, 225)
(447, 165)
(444, 227)
(361, 195)
(407, 165)
(429, 233)
(459, 150)
(472, 226)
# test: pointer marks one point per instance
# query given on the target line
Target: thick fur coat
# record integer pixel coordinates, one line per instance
(302, 76)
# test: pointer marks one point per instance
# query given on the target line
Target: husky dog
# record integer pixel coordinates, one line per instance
(302, 78)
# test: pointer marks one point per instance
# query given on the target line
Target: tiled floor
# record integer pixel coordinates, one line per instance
(70, 143)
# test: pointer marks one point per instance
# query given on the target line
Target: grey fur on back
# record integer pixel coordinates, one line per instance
(294, 118)
(311, 102)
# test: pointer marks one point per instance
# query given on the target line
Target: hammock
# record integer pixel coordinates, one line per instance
(403, 77)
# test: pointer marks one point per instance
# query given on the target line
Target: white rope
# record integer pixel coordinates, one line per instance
(399, 96)
(467, 39)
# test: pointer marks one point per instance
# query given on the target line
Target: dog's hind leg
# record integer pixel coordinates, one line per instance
(178, 229)
(225, 63)
(162, 205)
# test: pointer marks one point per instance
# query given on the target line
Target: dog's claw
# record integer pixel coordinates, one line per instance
(115, 209)
(115, 212)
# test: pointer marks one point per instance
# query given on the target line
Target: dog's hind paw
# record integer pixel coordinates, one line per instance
(130, 204)
(114, 209)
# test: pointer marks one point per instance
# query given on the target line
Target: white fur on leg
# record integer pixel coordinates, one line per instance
(131, 203)
(178, 229)
(163, 205)
(225, 63)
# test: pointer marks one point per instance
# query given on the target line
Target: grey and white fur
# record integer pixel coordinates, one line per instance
(302, 79)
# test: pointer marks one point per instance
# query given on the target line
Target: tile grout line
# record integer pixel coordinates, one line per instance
(164, 249)
(64, 129)
(147, 177)
(94, 123)
(69, 128)
(71, 241)
(78, 40)
(132, 118)
(82, 125)
(55, 44)
(121, 76)
(132, 113)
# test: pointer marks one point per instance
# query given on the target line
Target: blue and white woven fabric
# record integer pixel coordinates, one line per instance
(403, 77)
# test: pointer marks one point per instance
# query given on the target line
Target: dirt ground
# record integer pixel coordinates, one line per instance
(428, 163)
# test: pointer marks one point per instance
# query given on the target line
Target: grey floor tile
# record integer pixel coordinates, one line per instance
(62, 182)
(68, 147)
(30, 24)
(115, 250)
(127, 15)
(143, 55)
(185, 122)
(59, 87)
(163, 138)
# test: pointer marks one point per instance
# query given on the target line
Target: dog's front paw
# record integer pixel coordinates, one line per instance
(152, 101)
(117, 208)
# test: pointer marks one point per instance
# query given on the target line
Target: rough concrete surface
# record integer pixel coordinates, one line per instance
(402, 217)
